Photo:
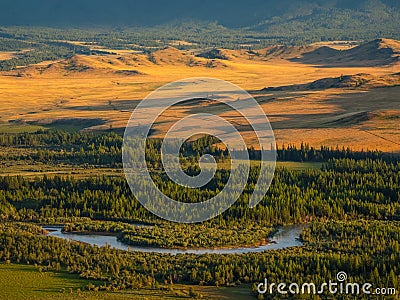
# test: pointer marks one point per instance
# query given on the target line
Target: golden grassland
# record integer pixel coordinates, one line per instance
(98, 92)
(338, 45)
(4, 55)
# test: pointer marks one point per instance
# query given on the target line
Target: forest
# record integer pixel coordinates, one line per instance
(105, 149)
(58, 183)
(367, 251)
(351, 205)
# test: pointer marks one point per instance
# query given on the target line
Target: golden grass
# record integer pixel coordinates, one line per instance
(52, 91)
(7, 55)
(338, 45)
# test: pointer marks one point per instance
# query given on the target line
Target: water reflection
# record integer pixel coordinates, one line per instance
(287, 236)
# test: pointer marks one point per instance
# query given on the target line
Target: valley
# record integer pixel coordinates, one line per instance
(72, 224)
(305, 97)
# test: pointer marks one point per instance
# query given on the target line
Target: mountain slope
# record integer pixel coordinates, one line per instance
(364, 81)
(156, 12)
(342, 20)
(375, 53)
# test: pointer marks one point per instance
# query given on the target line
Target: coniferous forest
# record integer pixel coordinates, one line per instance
(350, 203)
(86, 210)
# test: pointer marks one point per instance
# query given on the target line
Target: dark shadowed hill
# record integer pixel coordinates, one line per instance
(376, 53)
(363, 81)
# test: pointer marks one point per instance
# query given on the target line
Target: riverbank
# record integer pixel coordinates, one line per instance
(285, 237)
(178, 237)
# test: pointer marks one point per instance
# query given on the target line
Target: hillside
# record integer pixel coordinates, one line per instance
(285, 52)
(375, 53)
(99, 90)
(126, 64)
(358, 81)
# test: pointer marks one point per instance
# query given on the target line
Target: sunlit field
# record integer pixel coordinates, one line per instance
(100, 92)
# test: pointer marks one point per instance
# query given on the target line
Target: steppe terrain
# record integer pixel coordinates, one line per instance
(335, 94)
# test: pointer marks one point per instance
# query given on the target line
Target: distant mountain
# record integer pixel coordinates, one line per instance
(265, 13)
(152, 25)
(339, 20)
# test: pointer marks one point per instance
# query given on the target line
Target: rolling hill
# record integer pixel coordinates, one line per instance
(307, 102)
(358, 81)
(375, 53)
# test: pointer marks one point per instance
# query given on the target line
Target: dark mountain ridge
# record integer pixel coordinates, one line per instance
(156, 12)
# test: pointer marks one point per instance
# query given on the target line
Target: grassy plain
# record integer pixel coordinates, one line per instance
(20, 282)
(26, 282)
(100, 92)
(33, 169)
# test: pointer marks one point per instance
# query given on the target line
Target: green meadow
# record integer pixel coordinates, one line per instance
(20, 282)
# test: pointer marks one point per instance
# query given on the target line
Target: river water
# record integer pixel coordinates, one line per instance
(287, 236)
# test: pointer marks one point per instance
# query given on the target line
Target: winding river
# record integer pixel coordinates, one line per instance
(287, 236)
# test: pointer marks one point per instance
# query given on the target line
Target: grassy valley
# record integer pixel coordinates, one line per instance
(326, 74)
(328, 104)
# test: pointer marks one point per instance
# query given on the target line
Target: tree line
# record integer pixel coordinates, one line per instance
(106, 149)
(343, 188)
(368, 251)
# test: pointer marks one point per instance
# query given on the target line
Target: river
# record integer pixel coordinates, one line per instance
(287, 236)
